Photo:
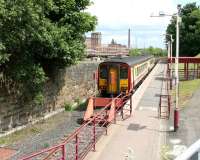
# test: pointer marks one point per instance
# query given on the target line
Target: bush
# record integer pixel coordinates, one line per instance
(77, 100)
(36, 37)
(82, 106)
(39, 99)
(68, 106)
(46, 145)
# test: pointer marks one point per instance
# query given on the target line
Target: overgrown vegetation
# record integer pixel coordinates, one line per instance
(189, 30)
(18, 135)
(77, 100)
(39, 128)
(37, 36)
(158, 52)
(46, 145)
(79, 105)
(82, 106)
(68, 106)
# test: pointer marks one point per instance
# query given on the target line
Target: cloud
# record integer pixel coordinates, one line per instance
(140, 36)
(117, 13)
(116, 16)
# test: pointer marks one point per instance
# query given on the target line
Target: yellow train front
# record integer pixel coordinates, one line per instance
(122, 74)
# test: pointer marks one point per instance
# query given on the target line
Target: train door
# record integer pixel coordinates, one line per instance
(113, 80)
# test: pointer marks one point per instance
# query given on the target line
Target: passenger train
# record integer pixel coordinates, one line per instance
(122, 74)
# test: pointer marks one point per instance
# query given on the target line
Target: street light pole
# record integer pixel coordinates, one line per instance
(168, 54)
(171, 76)
(170, 45)
(176, 111)
(168, 49)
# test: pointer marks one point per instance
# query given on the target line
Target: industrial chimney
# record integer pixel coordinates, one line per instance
(129, 38)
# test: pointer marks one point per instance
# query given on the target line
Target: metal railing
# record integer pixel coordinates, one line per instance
(166, 85)
(82, 140)
(188, 74)
(192, 153)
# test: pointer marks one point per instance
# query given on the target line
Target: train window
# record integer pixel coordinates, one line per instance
(103, 72)
(123, 73)
(136, 71)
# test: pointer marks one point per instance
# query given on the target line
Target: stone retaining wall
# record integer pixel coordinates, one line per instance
(71, 84)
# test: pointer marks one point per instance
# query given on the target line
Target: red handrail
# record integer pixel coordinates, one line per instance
(77, 132)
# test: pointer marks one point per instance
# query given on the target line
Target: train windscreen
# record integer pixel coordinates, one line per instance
(103, 72)
(123, 73)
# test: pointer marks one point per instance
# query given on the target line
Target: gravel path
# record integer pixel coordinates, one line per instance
(53, 132)
(63, 124)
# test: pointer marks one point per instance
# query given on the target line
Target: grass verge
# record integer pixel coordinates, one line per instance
(33, 130)
(186, 90)
(18, 135)
(181, 66)
(41, 126)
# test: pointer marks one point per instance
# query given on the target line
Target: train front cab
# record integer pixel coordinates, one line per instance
(113, 78)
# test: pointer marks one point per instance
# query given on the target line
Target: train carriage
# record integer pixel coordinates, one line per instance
(122, 74)
(117, 77)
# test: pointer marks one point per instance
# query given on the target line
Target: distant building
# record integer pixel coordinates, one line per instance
(120, 46)
(88, 42)
(95, 39)
(96, 48)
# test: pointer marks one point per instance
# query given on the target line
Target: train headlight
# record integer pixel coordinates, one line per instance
(124, 88)
(102, 87)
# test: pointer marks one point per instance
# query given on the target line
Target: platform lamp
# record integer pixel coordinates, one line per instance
(176, 111)
(170, 46)
(178, 20)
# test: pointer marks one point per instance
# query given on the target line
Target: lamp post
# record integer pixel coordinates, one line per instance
(168, 49)
(170, 45)
(171, 60)
(176, 110)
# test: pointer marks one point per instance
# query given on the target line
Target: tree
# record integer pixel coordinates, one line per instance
(113, 42)
(189, 30)
(37, 36)
(155, 51)
(135, 52)
(151, 51)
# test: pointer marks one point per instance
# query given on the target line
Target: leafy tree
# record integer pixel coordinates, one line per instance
(36, 36)
(113, 42)
(189, 30)
(151, 50)
(155, 51)
(135, 52)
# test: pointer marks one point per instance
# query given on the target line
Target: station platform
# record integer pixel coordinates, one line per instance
(141, 136)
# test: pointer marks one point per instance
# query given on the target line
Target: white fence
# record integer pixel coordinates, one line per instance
(192, 153)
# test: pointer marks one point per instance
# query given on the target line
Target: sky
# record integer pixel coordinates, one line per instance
(115, 17)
